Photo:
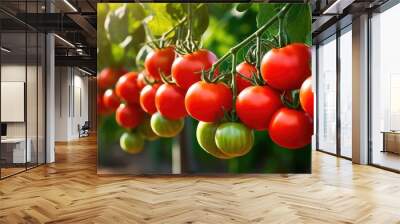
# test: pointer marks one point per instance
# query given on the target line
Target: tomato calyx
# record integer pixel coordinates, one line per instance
(166, 79)
(148, 81)
(292, 99)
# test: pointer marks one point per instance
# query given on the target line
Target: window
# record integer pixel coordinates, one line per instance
(345, 92)
(385, 89)
(327, 95)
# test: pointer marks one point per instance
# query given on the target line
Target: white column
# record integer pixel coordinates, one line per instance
(360, 90)
(50, 100)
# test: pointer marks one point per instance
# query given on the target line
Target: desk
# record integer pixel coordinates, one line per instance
(16, 147)
(391, 141)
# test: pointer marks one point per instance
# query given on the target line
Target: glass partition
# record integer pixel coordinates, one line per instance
(22, 77)
(14, 153)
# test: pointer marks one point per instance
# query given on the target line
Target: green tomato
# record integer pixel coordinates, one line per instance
(234, 139)
(131, 142)
(165, 127)
(146, 131)
(205, 134)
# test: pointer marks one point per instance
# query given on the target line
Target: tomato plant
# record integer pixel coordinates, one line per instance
(127, 89)
(170, 101)
(159, 61)
(145, 130)
(234, 139)
(165, 127)
(290, 128)
(286, 68)
(132, 143)
(255, 106)
(208, 101)
(140, 82)
(102, 109)
(111, 100)
(186, 69)
(307, 97)
(205, 134)
(128, 116)
(147, 98)
(246, 69)
(108, 76)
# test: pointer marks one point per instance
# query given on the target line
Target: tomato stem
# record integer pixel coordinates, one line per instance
(250, 38)
(294, 101)
(234, 84)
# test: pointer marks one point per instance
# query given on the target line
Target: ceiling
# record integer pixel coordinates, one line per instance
(76, 20)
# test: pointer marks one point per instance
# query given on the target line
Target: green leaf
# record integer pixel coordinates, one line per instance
(123, 21)
(242, 7)
(176, 11)
(160, 19)
(265, 12)
(141, 56)
(298, 23)
(200, 21)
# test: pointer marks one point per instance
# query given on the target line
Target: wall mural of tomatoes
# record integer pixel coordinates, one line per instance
(204, 88)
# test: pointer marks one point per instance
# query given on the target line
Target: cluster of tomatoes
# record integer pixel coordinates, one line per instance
(155, 102)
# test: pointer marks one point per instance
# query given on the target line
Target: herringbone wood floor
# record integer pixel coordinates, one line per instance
(69, 191)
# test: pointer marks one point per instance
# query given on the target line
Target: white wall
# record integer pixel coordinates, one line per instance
(71, 102)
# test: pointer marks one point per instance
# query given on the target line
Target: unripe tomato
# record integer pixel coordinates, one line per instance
(208, 101)
(101, 108)
(286, 68)
(186, 69)
(165, 127)
(127, 89)
(255, 106)
(307, 97)
(140, 81)
(170, 101)
(132, 143)
(290, 128)
(147, 98)
(205, 135)
(146, 131)
(108, 77)
(234, 139)
(247, 70)
(128, 116)
(111, 100)
(160, 60)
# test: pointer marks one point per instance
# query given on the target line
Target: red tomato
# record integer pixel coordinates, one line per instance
(208, 101)
(111, 100)
(247, 70)
(186, 69)
(147, 98)
(127, 89)
(170, 101)
(307, 97)
(140, 80)
(255, 106)
(101, 108)
(158, 61)
(290, 128)
(128, 116)
(108, 76)
(286, 68)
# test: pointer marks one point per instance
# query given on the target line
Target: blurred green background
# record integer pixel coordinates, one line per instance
(121, 37)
